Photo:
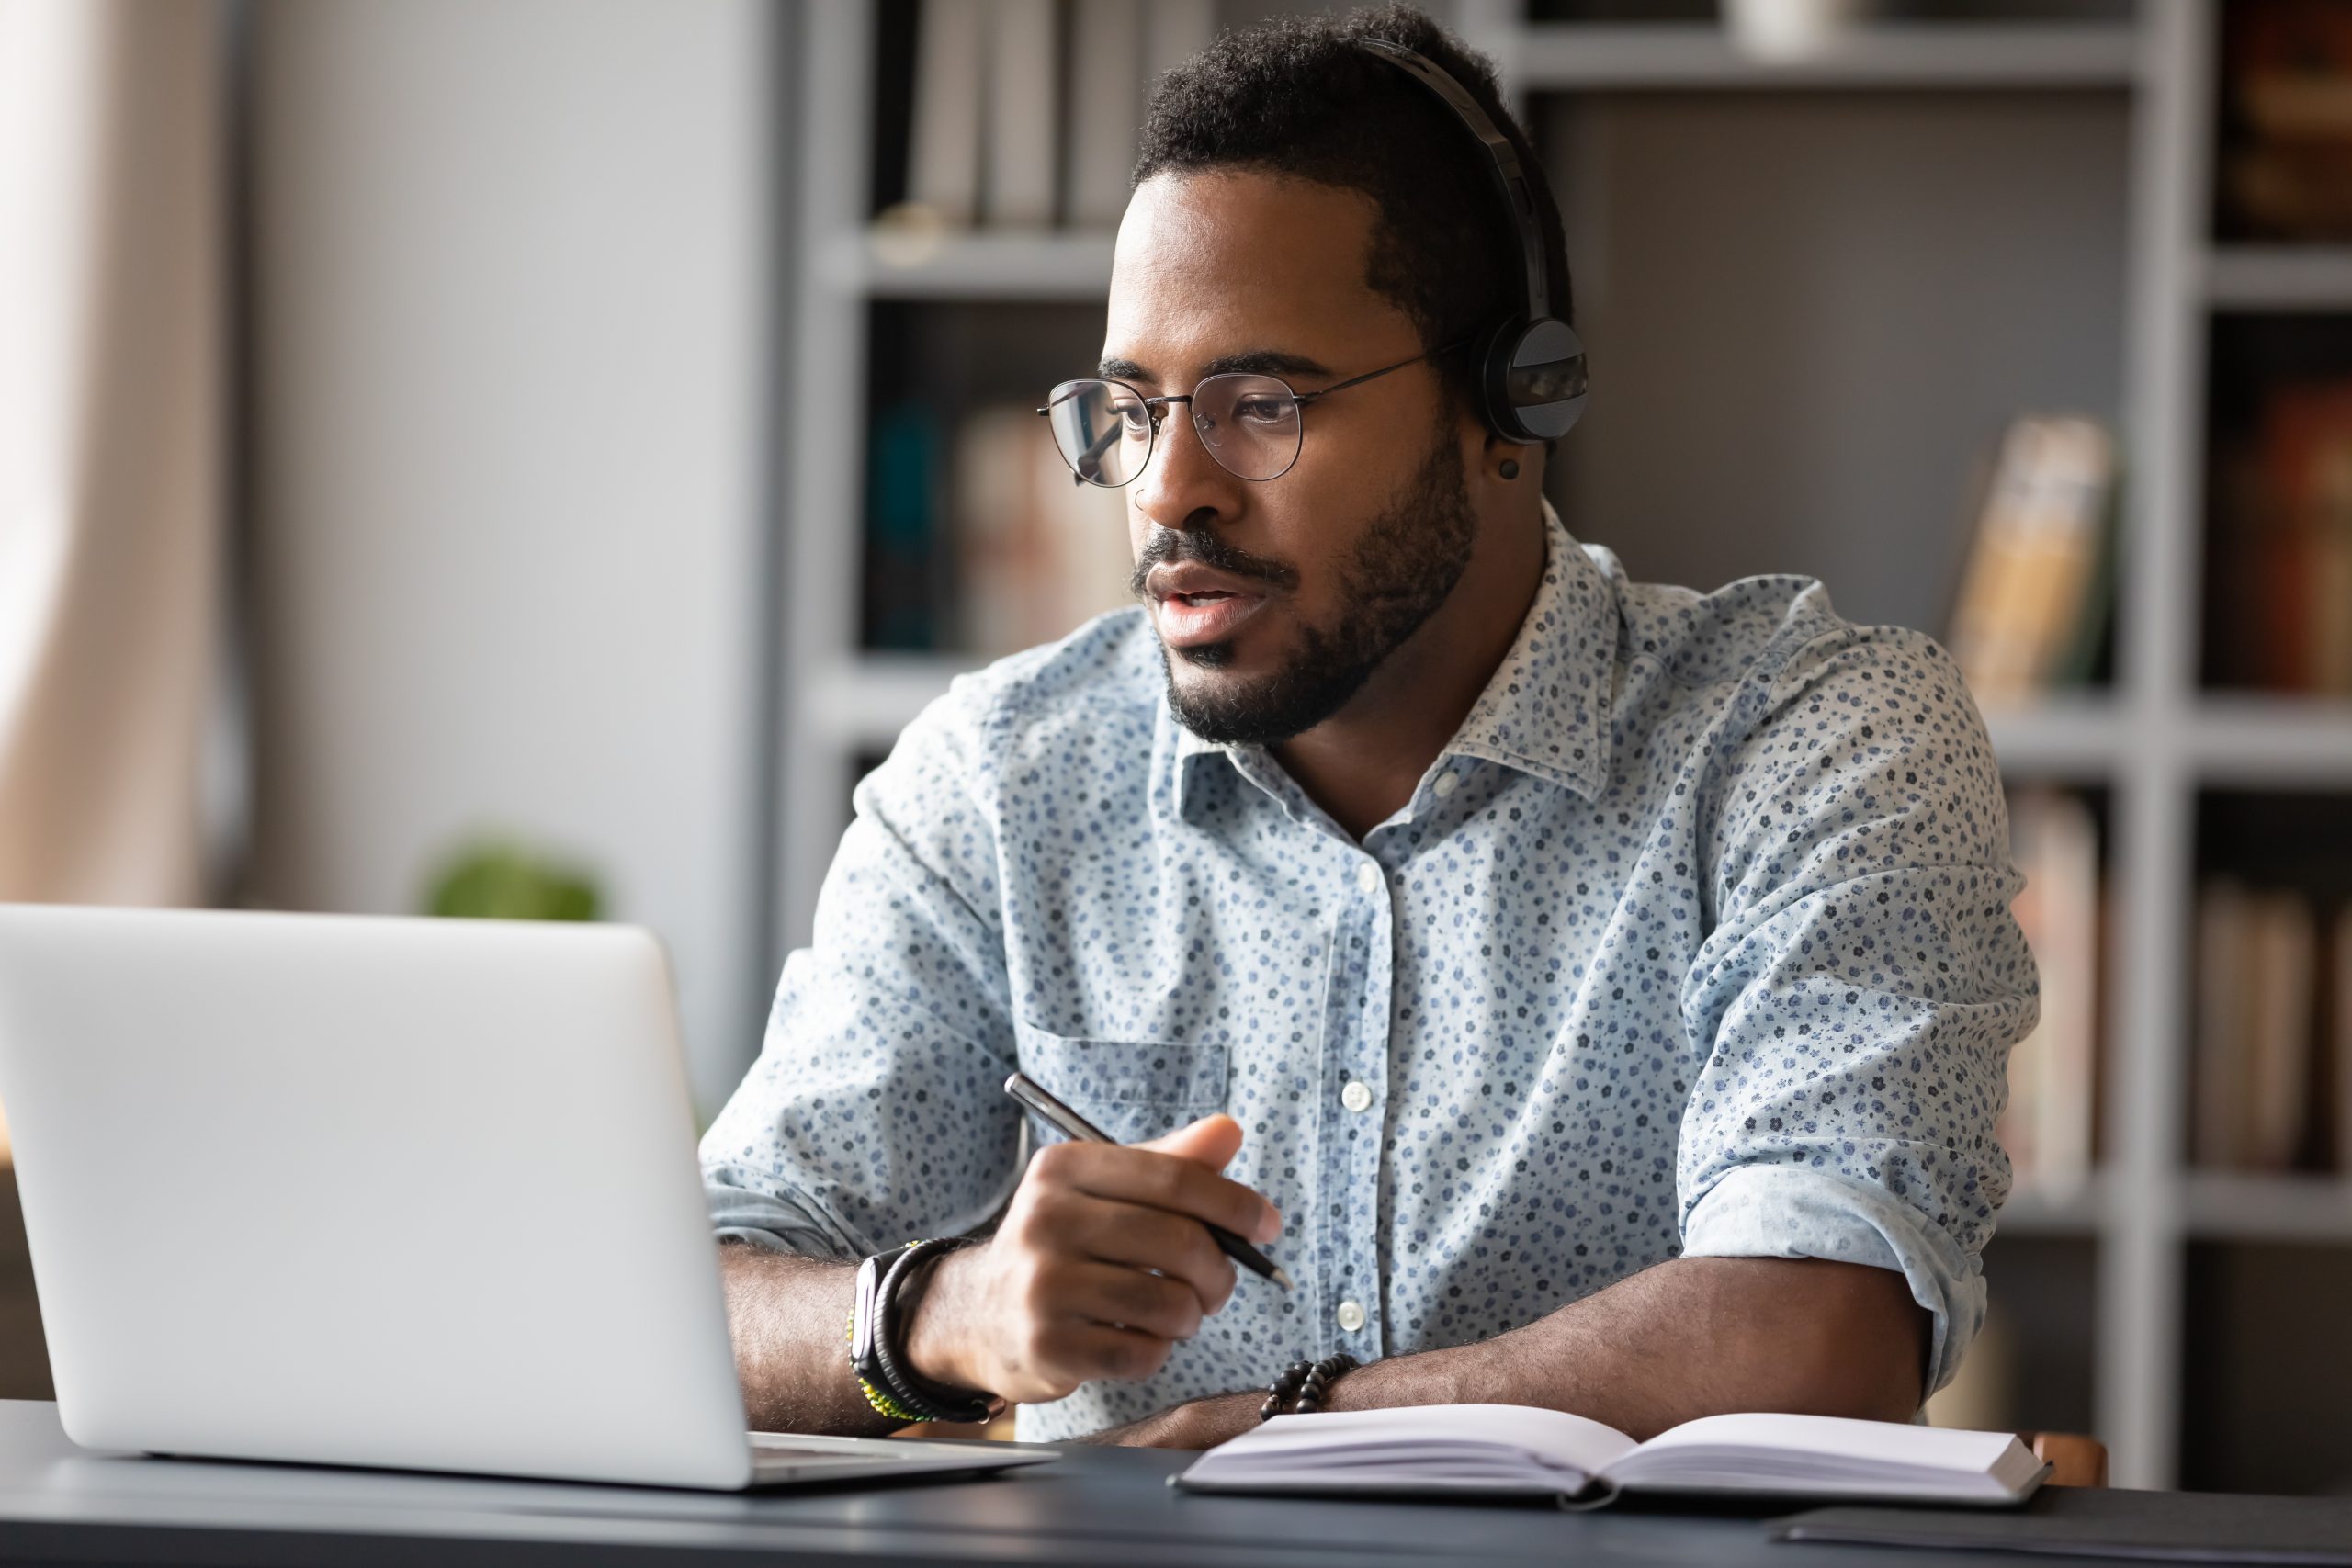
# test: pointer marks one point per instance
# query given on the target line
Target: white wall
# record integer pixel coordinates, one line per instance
(509, 317)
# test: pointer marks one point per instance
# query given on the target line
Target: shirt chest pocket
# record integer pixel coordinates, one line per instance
(1133, 1090)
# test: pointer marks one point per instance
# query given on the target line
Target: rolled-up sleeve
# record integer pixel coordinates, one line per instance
(874, 1113)
(1855, 1001)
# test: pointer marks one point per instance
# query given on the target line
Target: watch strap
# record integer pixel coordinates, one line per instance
(890, 1386)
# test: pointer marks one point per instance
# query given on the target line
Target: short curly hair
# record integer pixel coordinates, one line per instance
(1296, 96)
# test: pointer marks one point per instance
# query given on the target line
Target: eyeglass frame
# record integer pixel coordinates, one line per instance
(1157, 408)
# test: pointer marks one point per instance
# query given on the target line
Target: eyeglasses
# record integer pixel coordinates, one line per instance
(1251, 425)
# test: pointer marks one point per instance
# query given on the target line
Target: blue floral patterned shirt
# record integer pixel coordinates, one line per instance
(1695, 941)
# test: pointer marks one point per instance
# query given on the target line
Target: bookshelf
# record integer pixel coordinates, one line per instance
(2110, 1265)
(1675, 56)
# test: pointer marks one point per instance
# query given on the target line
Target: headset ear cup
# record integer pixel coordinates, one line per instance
(1536, 371)
(1496, 350)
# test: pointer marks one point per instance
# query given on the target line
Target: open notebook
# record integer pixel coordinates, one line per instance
(1445, 1448)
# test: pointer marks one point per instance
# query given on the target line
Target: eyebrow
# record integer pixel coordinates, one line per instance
(1256, 362)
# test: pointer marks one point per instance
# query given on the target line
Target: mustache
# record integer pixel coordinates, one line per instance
(1167, 544)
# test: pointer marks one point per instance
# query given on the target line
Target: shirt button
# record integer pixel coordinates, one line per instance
(1357, 1095)
(1447, 784)
(1351, 1315)
(1368, 878)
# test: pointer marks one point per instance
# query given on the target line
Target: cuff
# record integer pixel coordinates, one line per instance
(775, 1222)
(1776, 1211)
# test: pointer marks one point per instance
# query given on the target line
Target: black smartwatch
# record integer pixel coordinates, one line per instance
(877, 1340)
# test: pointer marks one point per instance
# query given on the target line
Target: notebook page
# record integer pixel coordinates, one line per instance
(1435, 1445)
(1790, 1450)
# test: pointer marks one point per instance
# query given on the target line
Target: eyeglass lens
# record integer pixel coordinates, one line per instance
(1105, 429)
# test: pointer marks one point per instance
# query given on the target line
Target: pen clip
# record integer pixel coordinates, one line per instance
(1051, 1111)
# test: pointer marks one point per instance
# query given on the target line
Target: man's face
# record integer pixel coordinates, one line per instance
(1275, 600)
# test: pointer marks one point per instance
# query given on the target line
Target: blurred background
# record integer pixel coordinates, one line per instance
(527, 458)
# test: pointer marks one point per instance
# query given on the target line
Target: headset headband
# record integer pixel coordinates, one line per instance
(1509, 178)
(1532, 380)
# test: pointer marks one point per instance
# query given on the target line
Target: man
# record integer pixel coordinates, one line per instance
(1595, 993)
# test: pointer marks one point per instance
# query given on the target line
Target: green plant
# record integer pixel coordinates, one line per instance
(500, 881)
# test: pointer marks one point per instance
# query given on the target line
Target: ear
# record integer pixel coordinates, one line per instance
(1526, 470)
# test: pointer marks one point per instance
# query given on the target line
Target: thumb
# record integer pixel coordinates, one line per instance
(1211, 1141)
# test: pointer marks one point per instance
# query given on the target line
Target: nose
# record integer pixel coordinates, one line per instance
(1182, 487)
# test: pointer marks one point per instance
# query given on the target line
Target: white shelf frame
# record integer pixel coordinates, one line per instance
(2278, 277)
(2224, 1206)
(1044, 265)
(2228, 1206)
(2220, 741)
(823, 530)
(1582, 56)
(2154, 740)
(2069, 737)
(863, 700)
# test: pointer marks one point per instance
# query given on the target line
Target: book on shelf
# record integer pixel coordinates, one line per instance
(905, 577)
(2336, 974)
(2281, 968)
(2281, 553)
(1035, 553)
(1106, 88)
(2048, 1124)
(990, 142)
(1017, 132)
(1520, 1451)
(976, 539)
(2286, 167)
(2033, 599)
(2263, 1037)
(944, 144)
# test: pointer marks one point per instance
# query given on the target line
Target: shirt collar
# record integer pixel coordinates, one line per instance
(1546, 710)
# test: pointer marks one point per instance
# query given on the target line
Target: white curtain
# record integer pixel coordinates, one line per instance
(112, 347)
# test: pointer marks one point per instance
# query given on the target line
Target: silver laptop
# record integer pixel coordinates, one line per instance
(411, 1193)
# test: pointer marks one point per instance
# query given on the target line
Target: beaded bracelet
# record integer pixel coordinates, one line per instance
(1304, 1385)
(1285, 1388)
(1312, 1392)
(884, 1403)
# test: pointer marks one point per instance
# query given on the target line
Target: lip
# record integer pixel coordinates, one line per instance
(1183, 625)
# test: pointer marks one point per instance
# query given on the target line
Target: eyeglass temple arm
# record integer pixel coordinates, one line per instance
(1369, 375)
(1166, 398)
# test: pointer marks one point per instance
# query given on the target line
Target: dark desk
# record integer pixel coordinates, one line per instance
(1097, 1506)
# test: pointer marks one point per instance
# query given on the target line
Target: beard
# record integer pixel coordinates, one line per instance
(1405, 566)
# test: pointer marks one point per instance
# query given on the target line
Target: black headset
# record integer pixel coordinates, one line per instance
(1531, 365)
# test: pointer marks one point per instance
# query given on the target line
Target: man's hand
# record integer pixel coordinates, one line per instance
(1103, 1263)
(1198, 1424)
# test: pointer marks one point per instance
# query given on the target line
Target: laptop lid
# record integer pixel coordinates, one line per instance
(344, 1190)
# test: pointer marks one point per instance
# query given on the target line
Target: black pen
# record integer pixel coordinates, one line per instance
(1070, 1122)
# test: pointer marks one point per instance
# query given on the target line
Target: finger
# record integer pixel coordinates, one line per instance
(1136, 1237)
(1164, 1181)
(1129, 1297)
(1211, 1140)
